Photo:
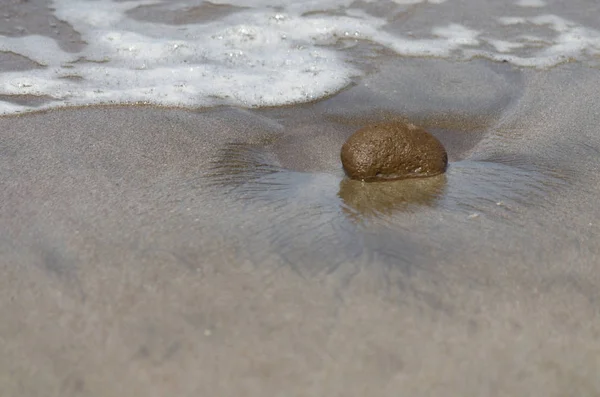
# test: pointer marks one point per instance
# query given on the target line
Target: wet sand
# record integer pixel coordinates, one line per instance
(148, 251)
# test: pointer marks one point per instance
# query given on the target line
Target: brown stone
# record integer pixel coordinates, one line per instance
(393, 151)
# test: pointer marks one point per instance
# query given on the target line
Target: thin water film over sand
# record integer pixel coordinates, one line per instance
(222, 251)
(139, 241)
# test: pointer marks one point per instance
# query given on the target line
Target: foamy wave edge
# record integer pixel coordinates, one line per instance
(253, 57)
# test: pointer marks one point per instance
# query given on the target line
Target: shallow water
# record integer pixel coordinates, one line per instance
(220, 250)
(140, 241)
(195, 53)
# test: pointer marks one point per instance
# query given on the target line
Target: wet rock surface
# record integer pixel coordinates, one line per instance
(391, 151)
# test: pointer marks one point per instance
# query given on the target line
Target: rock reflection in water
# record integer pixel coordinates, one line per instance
(362, 200)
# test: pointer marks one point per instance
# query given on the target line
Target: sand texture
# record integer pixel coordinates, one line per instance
(168, 252)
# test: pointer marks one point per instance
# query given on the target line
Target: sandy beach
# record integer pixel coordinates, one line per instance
(150, 251)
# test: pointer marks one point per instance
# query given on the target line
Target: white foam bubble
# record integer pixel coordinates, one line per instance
(410, 2)
(40, 49)
(266, 53)
(251, 58)
(402, 2)
(511, 20)
(503, 46)
(530, 3)
(572, 41)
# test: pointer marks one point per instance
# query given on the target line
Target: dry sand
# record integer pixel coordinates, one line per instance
(168, 252)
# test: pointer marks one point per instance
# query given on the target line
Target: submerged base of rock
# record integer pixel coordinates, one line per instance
(393, 151)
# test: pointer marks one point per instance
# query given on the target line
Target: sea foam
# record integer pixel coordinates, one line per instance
(255, 53)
